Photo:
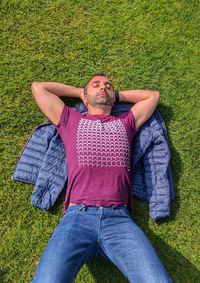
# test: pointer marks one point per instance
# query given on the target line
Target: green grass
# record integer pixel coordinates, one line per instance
(140, 44)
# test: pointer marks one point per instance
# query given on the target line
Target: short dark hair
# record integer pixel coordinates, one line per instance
(101, 74)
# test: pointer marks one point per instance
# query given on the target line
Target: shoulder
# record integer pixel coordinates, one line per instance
(126, 115)
(128, 120)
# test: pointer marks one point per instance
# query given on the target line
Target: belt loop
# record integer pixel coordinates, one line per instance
(82, 207)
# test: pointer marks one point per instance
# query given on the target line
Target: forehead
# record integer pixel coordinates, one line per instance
(100, 79)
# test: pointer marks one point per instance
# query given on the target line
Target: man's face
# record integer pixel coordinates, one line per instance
(100, 91)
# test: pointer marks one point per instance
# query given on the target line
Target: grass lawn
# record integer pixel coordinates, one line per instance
(140, 44)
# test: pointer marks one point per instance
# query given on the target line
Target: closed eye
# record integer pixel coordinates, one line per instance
(108, 86)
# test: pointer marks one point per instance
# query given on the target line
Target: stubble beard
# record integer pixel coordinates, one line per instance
(101, 100)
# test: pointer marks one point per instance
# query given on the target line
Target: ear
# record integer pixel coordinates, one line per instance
(85, 100)
(83, 97)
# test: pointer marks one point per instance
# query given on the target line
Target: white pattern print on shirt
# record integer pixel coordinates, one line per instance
(101, 144)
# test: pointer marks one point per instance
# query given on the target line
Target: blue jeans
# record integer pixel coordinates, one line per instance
(87, 231)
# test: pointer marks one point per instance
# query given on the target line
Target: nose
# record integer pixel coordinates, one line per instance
(102, 86)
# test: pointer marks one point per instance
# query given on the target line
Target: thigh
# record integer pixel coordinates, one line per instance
(126, 245)
(70, 246)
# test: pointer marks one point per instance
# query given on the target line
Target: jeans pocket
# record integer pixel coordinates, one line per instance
(74, 208)
(124, 212)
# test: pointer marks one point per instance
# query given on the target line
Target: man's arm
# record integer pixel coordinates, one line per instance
(145, 102)
(47, 95)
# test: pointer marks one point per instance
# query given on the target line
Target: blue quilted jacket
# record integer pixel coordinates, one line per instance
(42, 162)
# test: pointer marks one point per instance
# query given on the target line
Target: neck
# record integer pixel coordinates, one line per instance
(99, 110)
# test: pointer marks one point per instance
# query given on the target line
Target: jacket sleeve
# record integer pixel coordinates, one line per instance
(156, 160)
(52, 176)
(32, 155)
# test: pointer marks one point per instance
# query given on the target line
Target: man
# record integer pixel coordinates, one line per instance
(98, 198)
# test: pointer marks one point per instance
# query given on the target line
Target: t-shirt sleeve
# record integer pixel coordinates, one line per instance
(129, 122)
(64, 118)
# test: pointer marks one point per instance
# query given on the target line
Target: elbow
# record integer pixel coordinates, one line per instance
(35, 88)
(34, 85)
(157, 94)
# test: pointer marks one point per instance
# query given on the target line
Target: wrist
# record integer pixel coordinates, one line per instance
(80, 92)
(117, 97)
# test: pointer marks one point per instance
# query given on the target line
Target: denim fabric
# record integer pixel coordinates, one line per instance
(87, 231)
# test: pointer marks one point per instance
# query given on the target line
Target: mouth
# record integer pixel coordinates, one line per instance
(102, 94)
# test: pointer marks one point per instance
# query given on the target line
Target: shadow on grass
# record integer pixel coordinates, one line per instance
(178, 267)
(176, 162)
(3, 273)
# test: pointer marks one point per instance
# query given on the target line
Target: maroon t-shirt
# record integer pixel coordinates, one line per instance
(98, 152)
